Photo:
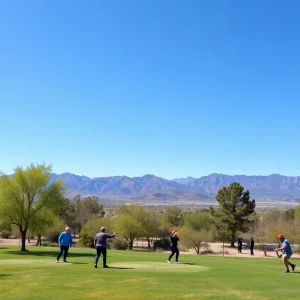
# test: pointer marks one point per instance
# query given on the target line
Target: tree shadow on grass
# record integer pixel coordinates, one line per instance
(48, 253)
(142, 250)
(4, 275)
(190, 264)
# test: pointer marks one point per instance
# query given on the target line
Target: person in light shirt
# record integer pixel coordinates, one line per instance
(286, 253)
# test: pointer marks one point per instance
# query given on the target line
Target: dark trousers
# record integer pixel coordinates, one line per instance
(239, 248)
(100, 251)
(63, 249)
(251, 250)
(174, 250)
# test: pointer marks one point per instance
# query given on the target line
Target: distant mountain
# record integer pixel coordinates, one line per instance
(185, 180)
(272, 185)
(150, 187)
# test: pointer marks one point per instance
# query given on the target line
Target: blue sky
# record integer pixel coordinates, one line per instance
(171, 88)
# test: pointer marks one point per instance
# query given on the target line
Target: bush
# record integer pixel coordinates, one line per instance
(53, 236)
(163, 244)
(119, 244)
(49, 244)
(5, 234)
(86, 240)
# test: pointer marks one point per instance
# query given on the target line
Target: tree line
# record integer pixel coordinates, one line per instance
(33, 205)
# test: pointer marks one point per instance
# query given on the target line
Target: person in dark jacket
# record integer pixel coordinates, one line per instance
(240, 244)
(174, 247)
(251, 246)
(100, 245)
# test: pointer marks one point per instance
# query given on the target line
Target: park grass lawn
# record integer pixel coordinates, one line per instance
(141, 275)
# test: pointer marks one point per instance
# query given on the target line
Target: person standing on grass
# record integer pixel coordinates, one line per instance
(174, 247)
(286, 253)
(251, 246)
(100, 245)
(64, 242)
(240, 244)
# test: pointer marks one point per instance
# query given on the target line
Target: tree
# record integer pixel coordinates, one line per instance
(78, 211)
(129, 224)
(197, 230)
(150, 224)
(26, 194)
(128, 228)
(235, 210)
(43, 221)
(174, 216)
(91, 228)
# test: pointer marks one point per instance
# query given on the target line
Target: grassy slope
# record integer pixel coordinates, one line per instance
(141, 275)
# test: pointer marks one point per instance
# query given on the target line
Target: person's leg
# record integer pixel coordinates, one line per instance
(285, 259)
(177, 254)
(66, 250)
(104, 252)
(59, 253)
(171, 255)
(98, 253)
(290, 264)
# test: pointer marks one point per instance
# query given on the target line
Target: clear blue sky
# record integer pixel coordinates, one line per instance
(171, 88)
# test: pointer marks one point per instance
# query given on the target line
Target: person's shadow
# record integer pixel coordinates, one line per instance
(120, 268)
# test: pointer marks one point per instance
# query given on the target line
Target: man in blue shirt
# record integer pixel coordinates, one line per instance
(286, 253)
(64, 242)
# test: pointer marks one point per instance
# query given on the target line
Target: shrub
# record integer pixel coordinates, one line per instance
(86, 240)
(119, 244)
(53, 236)
(49, 244)
(5, 234)
(163, 244)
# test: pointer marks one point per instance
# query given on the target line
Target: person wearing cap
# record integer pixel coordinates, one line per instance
(174, 247)
(64, 242)
(100, 245)
(286, 253)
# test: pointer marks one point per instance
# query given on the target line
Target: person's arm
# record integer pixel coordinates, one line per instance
(59, 239)
(95, 241)
(70, 240)
(282, 247)
(109, 236)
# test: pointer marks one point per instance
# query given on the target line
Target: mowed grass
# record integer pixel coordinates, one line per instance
(141, 275)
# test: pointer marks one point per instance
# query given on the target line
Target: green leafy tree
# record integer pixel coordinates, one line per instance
(174, 216)
(91, 228)
(197, 230)
(129, 223)
(26, 194)
(150, 224)
(234, 212)
(78, 211)
(129, 228)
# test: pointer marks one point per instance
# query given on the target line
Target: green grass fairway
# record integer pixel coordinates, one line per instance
(141, 275)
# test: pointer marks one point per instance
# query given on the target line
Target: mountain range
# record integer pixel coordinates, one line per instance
(149, 188)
